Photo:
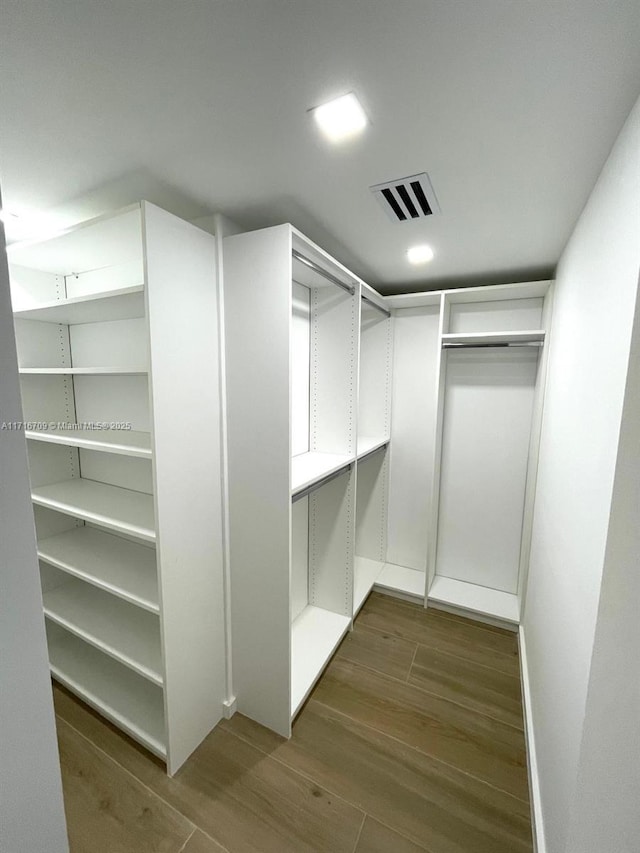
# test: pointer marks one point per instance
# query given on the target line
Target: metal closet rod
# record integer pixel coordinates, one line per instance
(452, 345)
(316, 268)
(375, 305)
(307, 491)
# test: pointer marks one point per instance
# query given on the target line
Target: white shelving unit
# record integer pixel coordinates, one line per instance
(464, 453)
(292, 329)
(114, 360)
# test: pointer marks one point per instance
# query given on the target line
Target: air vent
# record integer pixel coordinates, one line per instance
(407, 199)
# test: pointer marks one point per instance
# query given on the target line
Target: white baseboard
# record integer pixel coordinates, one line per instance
(229, 707)
(539, 843)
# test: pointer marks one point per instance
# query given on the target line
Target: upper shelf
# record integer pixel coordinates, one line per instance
(310, 468)
(368, 444)
(488, 338)
(85, 371)
(124, 304)
(122, 442)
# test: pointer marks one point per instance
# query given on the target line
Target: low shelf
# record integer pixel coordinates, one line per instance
(402, 580)
(119, 566)
(128, 635)
(112, 507)
(132, 703)
(476, 599)
(84, 371)
(315, 635)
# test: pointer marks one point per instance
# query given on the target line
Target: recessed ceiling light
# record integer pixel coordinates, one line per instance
(341, 118)
(420, 254)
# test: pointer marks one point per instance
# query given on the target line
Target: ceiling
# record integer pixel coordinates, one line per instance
(511, 106)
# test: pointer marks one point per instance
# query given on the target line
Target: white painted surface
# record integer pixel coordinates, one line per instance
(116, 344)
(475, 598)
(127, 472)
(605, 804)
(309, 468)
(300, 366)
(122, 631)
(507, 315)
(29, 765)
(371, 506)
(485, 447)
(123, 399)
(258, 299)
(595, 294)
(123, 568)
(331, 543)
(299, 556)
(416, 346)
(133, 703)
(374, 382)
(121, 304)
(185, 395)
(334, 360)
(111, 507)
(315, 635)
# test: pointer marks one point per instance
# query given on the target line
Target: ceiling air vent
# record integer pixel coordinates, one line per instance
(407, 199)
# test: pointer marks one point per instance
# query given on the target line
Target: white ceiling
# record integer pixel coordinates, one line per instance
(511, 106)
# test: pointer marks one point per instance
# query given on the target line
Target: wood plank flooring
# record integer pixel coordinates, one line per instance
(411, 741)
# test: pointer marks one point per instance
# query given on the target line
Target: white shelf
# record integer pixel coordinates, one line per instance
(120, 567)
(112, 507)
(366, 574)
(315, 635)
(367, 444)
(129, 635)
(131, 702)
(477, 599)
(529, 336)
(403, 580)
(123, 442)
(84, 371)
(124, 304)
(309, 468)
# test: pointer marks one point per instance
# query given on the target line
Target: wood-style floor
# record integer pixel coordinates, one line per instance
(412, 740)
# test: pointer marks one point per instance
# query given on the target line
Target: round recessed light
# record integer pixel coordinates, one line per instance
(420, 254)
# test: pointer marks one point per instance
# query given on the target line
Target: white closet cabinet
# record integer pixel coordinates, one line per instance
(467, 401)
(292, 317)
(116, 326)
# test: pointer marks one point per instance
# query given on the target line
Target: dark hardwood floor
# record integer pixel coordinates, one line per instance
(411, 741)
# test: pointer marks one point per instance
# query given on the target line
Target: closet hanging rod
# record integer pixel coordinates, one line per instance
(375, 305)
(308, 489)
(316, 268)
(485, 344)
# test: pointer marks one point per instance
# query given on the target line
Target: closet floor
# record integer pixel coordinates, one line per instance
(412, 740)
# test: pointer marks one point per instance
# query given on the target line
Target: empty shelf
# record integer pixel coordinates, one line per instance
(315, 635)
(477, 599)
(403, 580)
(366, 574)
(131, 702)
(85, 371)
(310, 468)
(118, 629)
(367, 444)
(108, 506)
(109, 562)
(124, 442)
(124, 304)
(529, 336)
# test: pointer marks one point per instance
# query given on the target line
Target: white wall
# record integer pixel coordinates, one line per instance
(31, 810)
(596, 287)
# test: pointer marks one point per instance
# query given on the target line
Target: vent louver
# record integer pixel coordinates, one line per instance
(408, 198)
